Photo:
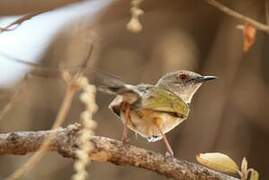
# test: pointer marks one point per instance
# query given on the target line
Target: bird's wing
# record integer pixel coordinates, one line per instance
(160, 99)
(127, 93)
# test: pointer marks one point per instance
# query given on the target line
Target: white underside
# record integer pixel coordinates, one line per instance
(147, 128)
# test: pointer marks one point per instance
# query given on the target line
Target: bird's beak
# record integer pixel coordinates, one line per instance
(205, 78)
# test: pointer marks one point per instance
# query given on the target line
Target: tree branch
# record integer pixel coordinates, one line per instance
(18, 7)
(106, 149)
(13, 25)
(226, 10)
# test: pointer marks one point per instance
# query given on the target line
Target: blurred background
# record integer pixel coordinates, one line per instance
(229, 115)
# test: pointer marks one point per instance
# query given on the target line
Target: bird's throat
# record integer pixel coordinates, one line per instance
(185, 93)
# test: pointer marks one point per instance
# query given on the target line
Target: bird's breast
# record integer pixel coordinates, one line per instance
(148, 123)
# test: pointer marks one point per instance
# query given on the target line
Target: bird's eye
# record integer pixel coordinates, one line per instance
(183, 76)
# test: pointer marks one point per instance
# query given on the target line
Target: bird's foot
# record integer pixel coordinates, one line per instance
(124, 140)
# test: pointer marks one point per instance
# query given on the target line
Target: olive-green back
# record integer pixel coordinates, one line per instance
(160, 99)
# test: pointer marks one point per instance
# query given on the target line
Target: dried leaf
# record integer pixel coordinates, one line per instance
(249, 33)
(218, 161)
(244, 165)
(254, 175)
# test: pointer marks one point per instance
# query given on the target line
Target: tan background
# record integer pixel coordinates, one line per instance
(229, 115)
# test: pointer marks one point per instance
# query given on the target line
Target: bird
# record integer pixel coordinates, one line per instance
(152, 110)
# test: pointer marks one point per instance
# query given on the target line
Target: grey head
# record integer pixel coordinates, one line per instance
(183, 83)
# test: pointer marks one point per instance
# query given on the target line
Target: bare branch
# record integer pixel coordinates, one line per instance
(13, 98)
(54, 71)
(12, 26)
(18, 7)
(226, 10)
(61, 117)
(106, 149)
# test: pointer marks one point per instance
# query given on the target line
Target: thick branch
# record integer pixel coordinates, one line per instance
(226, 10)
(106, 149)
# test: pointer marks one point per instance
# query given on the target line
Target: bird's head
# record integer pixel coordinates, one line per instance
(183, 83)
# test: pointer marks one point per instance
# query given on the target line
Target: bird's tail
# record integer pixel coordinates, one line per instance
(112, 89)
(110, 84)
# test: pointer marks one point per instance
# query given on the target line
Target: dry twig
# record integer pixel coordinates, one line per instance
(72, 88)
(105, 149)
(13, 99)
(226, 10)
(12, 26)
(18, 7)
(61, 116)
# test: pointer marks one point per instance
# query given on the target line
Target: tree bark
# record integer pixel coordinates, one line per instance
(65, 143)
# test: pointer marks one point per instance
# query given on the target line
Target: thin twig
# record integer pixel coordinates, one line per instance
(13, 99)
(55, 70)
(15, 24)
(45, 67)
(71, 89)
(106, 150)
(18, 7)
(226, 10)
(12, 26)
(61, 116)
